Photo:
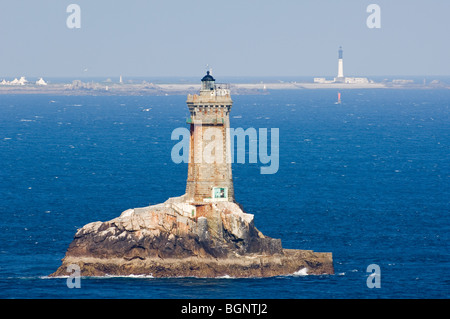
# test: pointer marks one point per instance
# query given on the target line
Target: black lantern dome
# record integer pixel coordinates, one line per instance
(208, 82)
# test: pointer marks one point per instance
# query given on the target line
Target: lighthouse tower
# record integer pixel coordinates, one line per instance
(340, 76)
(209, 170)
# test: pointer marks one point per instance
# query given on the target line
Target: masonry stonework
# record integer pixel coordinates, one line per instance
(209, 170)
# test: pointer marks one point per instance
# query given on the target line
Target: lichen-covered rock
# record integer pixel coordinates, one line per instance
(164, 239)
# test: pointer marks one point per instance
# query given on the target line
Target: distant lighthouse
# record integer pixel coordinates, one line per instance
(340, 76)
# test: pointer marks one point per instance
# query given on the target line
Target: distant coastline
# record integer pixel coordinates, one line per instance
(81, 88)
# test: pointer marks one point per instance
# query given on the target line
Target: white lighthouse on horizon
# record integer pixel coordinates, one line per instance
(340, 76)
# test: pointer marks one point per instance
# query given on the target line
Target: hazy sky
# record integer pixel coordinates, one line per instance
(235, 37)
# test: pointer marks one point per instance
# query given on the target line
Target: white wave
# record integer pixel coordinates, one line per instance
(57, 277)
(226, 277)
(127, 276)
(101, 277)
(107, 276)
(24, 277)
(301, 272)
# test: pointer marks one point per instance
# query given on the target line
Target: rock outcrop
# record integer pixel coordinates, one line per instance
(178, 238)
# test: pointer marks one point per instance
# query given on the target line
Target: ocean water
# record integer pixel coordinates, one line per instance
(367, 180)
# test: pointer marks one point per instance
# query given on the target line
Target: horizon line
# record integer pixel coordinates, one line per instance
(226, 76)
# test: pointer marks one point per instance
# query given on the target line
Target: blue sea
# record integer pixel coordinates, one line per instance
(367, 180)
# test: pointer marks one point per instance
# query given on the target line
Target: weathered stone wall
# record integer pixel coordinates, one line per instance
(205, 172)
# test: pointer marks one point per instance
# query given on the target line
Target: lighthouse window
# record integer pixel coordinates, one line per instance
(220, 192)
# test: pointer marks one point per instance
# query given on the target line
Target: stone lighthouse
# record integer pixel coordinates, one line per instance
(209, 170)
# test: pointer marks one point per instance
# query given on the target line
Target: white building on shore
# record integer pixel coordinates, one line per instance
(41, 82)
(351, 80)
(22, 81)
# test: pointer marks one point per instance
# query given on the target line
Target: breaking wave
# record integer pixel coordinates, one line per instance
(301, 272)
